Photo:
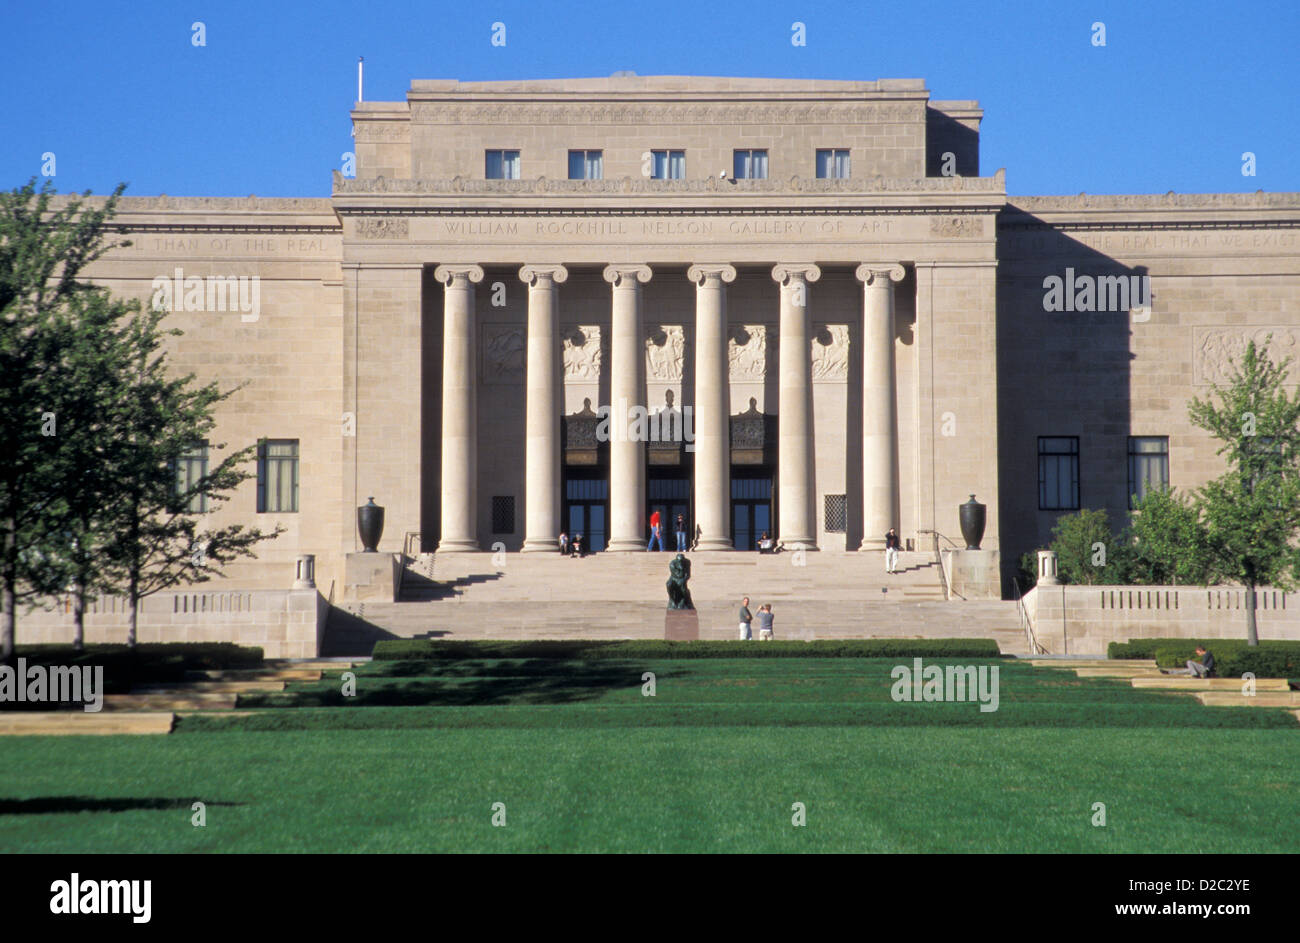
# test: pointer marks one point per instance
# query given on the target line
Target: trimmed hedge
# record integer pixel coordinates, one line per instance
(414, 649)
(147, 662)
(1233, 657)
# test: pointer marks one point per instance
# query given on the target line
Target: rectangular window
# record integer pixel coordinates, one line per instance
(1148, 466)
(750, 165)
(501, 165)
(586, 165)
(503, 514)
(277, 476)
(191, 467)
(1058, 473)
(835, 512)
(833, 163)
(668, 165)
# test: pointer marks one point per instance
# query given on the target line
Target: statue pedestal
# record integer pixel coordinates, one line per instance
(370, 576)
(681, 625)
(974, 574)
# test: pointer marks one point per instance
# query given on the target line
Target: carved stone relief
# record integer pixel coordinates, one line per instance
(1216, 348)
(582, 354)
(503, 354)
(830, 352)
(748, 349)
(665, 353)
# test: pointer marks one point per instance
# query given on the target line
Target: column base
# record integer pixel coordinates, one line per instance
(458, 546)
(625, 545)
(715, 543)
(540, 545)
(872, 545)
(798, 543)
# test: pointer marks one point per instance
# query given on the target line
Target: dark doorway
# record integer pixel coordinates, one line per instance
(668, 491)
(586, 510)
(751, 510)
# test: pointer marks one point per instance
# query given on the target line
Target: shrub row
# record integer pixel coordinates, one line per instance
(409, 649)
(1233, 657)
(147, 662)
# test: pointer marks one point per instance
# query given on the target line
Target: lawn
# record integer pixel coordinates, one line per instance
(582, 761)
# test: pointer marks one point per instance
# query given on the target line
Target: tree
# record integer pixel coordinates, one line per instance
(42, 254)
(1252, 512)
(1086, 550)
(1169, 541)
(159, 540)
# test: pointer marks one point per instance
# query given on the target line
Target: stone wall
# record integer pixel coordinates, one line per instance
(1083, 620)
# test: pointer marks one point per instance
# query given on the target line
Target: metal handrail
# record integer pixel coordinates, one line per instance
(938, 558)
(1035, 647)
(407, 542)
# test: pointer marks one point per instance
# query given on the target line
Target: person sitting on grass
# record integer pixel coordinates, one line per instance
(1198, 669)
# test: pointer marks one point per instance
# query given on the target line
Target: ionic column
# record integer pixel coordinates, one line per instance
(712, 406)
(626, 391)
(542, 410)
(879, 414)
(794, 444)
(459, 409)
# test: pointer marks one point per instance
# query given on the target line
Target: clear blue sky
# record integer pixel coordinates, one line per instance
(118, 92)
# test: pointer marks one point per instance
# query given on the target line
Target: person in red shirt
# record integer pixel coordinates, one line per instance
(656, 531)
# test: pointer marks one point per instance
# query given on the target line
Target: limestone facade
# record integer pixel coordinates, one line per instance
(863, 351)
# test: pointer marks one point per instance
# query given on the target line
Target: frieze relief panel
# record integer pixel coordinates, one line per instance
(830, 353)
(956, 227)
(503, 347)
(665, 353)
(583, 354)
(748, 349)
(383, 228)
(1216, 349)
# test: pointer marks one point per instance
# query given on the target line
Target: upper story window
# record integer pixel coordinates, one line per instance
(668, 165)
(277, 475)
(1148, 466)
(190, 468)
(750, 165)
(501, 165)
(586, 165)
(1058, 473)
(833, 163)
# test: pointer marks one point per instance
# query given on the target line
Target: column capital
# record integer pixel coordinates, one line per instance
(871, 273)
(533, 275)
(451, 273)
(701, 272)
(627, 275)
(788, 273)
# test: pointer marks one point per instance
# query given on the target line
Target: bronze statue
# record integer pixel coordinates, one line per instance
(679, 597)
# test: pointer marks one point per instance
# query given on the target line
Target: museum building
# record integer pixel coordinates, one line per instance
(791, 307)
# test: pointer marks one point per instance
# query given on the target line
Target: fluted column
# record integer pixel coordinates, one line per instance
(879, 413)
(796, 524)
(712, 406)
(542, 410)
(459, 409)
(626, 390)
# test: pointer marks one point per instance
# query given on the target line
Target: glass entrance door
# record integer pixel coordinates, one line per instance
(670, 497)
(586, 511)
(751, 511)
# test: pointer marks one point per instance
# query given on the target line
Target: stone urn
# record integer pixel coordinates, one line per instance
(370, 524)
(972, 515)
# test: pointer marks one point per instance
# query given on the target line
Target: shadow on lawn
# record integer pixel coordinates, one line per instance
(467, 683)
(47, 805)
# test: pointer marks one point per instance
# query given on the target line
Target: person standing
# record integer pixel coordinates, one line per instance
(746, 617)
(680, 531)
(656, 532)
(891, 551)
(765, 622)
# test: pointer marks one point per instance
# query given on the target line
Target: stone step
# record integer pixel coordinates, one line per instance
(1075, 663)
(71, 723)
(314, 664)
(256, 674)
(184, 689)
(1265, 699)
(1174, 682)
(1117, 673)
(168, 702)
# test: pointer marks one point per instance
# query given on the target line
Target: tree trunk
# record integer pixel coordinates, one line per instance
(10, 596)
(134, 600)
(79, 616)
(1252, 632)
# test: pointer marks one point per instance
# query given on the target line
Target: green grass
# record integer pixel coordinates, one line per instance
(583, 762)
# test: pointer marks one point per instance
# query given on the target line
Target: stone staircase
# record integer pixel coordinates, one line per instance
(622, 595)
